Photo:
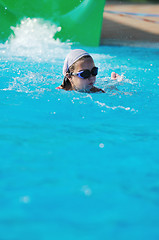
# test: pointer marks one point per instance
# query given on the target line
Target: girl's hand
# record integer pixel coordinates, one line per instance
(115, 76)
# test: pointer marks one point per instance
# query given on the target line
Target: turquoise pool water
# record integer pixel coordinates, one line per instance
(77, 165)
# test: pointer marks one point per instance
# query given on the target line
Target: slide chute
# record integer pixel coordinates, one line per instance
(80, 20)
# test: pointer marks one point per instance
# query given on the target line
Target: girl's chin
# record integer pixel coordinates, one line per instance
(87, 88)
(84, 89)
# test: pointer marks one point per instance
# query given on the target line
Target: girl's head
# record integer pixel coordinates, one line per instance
(79, 71)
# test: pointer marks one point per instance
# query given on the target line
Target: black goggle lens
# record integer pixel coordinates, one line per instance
(88, 73)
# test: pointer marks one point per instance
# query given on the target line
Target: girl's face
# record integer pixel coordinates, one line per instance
(79, 83)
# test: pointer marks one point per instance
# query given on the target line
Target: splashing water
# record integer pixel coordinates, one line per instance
(34, 38)
(77, 165)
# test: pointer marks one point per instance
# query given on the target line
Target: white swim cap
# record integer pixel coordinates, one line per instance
(72, 57)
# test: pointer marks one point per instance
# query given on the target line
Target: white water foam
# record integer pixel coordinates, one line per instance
(33, 38)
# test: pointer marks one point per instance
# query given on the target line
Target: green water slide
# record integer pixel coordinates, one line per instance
(80, 20)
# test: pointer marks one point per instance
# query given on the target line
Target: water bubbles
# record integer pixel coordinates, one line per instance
(58, 29)
(86, 190)
(101, 145)
(25, 199)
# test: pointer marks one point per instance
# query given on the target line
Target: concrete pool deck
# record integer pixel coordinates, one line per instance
(129, 30)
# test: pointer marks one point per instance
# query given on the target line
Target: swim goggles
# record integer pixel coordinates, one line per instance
(86, 73)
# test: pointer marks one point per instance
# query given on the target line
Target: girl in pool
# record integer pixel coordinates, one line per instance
(80, 72)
